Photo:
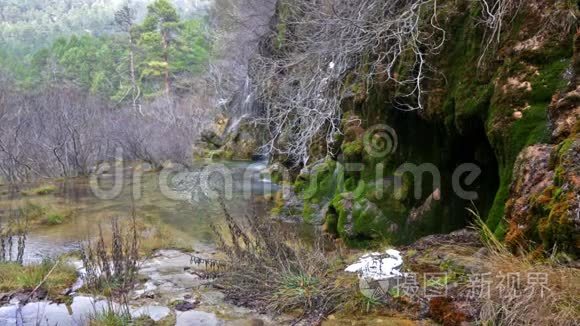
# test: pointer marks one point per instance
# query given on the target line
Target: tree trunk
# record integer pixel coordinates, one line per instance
(166, 61)
(134, 87)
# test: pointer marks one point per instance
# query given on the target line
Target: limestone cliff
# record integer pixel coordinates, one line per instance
(512, 111)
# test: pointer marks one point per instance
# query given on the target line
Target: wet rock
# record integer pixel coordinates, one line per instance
(420, 213)
(182, 305)
(235, 138)
(243, 137)
(156, 313)
(361, 216)
(170, 282)
(5, 297)
(543, 203)
(39, 294)
(564, 113)
(213, 140)
(462, 237)
(198, 318)
(19, 298)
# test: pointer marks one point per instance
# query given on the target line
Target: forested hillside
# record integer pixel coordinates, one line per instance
(112, 51)
(137, 85)
(29, 24)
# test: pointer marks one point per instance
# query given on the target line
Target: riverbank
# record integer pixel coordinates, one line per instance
(170, 292)
(448, 279)
(254, 269)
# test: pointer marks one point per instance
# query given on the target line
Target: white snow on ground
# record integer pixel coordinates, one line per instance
(378, 266)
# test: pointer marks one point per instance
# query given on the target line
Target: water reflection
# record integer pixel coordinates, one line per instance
(189, 216)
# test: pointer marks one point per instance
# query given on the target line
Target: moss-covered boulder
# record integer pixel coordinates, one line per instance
(230, 139)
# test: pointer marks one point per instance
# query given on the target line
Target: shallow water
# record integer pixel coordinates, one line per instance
(181, 206)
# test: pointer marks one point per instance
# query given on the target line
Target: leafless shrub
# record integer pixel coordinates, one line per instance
(319, 43)
(270, 269)
(112, 267)
(13, 235)
(12, 244)
(238, 27)
(64, 132)
(495, 15)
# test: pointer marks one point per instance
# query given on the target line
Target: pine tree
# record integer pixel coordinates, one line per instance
(158, 34)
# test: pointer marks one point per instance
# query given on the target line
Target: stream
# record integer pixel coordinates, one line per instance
(188, 219)
(170, 276)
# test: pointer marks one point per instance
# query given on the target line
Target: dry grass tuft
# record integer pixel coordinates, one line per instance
(268, 268)
(519, 298)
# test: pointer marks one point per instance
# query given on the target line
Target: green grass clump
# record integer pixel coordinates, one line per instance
(40, 215)
(39, 191)
(110, 317)
(298, 288)
(55, 219)
(14, 277)
(32, 212)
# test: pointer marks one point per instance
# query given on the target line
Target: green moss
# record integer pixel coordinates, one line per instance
(361, 190)
(339, 212)
(331, 222)
(326, 179)
(565, 146)
(549, 79)
(558, 228)
(281, 26)
(308, 212)
(469, 91)
(531, 129)
(353, 150)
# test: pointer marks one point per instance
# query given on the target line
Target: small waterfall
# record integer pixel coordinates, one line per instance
(235, 123)
(248, 103)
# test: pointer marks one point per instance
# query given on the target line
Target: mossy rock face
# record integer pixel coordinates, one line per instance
(543, 206)
(483, 106)
(355, 218)
(230, 139)
(317, 186)
(243, 139)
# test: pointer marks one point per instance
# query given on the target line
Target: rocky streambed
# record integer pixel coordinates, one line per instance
(172, 291)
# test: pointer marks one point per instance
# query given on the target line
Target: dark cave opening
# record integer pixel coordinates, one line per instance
(448, 149)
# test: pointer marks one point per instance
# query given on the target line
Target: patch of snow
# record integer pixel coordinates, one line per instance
(378, 266)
